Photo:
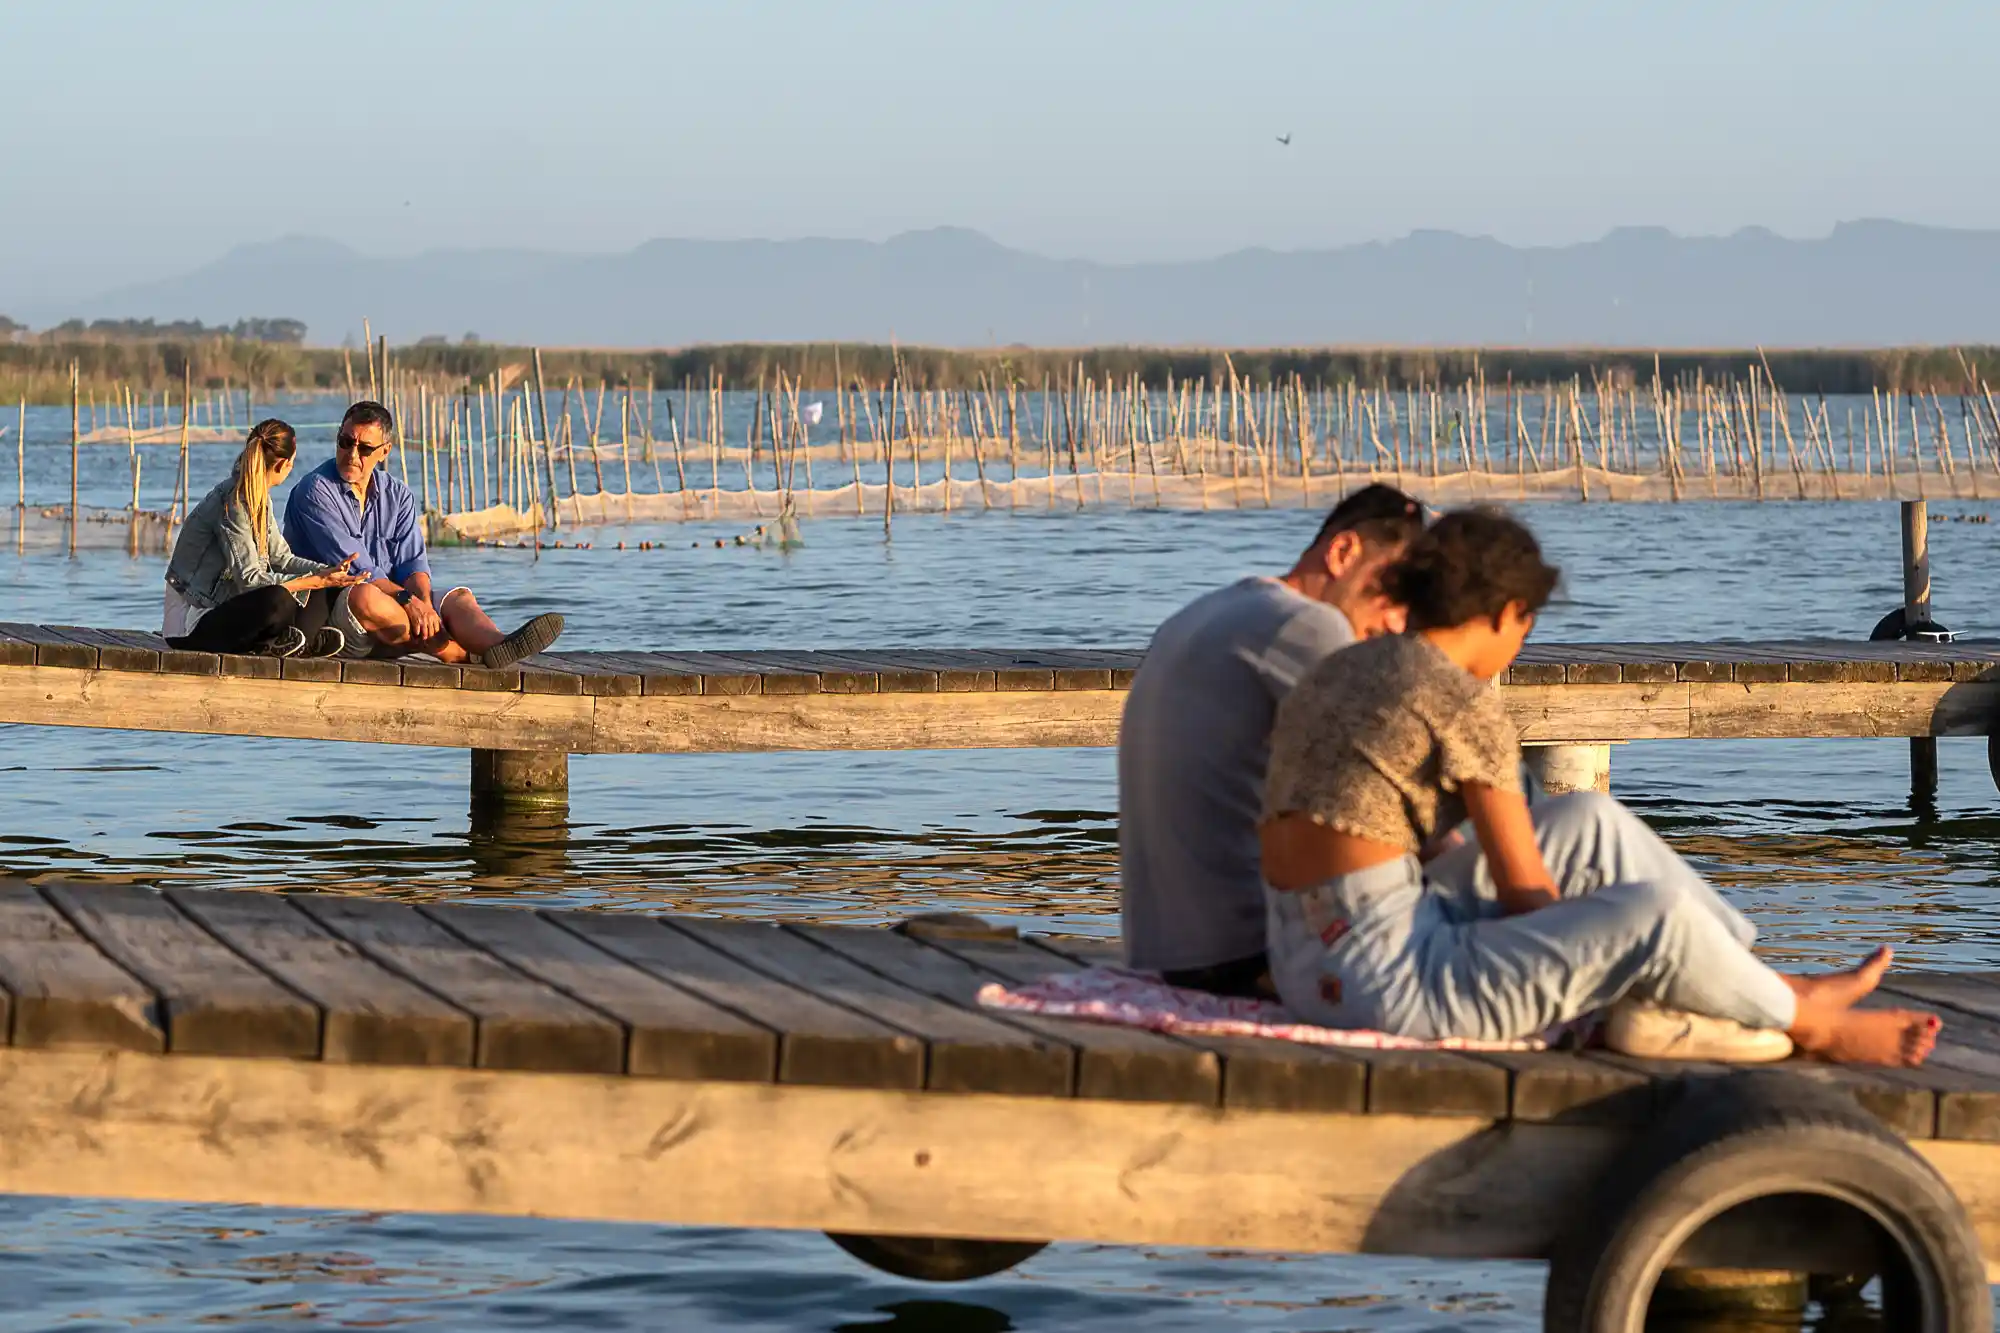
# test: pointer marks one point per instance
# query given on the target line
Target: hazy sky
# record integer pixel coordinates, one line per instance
(142, 138)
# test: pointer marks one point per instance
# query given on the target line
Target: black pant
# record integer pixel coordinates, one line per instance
(252, 622)
(1243, 979)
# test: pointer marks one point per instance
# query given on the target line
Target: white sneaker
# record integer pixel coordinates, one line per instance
(1654, 1032)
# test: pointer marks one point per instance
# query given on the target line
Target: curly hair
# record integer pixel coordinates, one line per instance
(1468, 566)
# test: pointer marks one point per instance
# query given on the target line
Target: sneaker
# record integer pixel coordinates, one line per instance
(291, 641)
(1655, 1032)
(329, 642)
(533, 637)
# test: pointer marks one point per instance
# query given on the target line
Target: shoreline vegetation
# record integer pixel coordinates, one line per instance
(38, 368)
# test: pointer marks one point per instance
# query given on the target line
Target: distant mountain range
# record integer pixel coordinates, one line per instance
(1869, 283)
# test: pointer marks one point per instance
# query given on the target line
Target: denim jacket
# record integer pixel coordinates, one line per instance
(216, 556)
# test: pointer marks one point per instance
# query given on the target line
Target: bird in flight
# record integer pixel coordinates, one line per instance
(1286, 138)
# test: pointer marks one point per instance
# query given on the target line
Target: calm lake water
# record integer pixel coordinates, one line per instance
(1816, 839)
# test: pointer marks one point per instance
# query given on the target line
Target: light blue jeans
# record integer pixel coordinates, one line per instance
(1425, 951)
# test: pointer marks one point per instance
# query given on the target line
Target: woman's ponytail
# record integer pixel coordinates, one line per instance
(271, 442)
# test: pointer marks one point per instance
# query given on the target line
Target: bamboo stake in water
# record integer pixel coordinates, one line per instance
(73, 398)
(21, 456)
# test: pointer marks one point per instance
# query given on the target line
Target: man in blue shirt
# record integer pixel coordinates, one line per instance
(351, 503)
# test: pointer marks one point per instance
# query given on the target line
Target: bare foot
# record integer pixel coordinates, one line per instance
(1868, 1036)
(1843, 990)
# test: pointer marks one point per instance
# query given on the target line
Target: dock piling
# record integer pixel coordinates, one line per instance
(1917, 611)
(1569, 768)
(520, 780)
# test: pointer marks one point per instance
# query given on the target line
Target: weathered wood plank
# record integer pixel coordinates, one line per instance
(1276, 1075)
(61, 989)
(214, 1002)
(52, 647)
(818, 1042)
(119, 650)
(671, 1034)
(715, 677)
(1896, 709)
(956, 674)
(834, 675)
(522, 1023)
(968, 1052)
(1120, 1064)
(1598, 712)
(890, 678)
(773, 676)
(681, 725)
(303, 1134)
(231, 706)
(596, 673)
(656, 676)
(370, 1014)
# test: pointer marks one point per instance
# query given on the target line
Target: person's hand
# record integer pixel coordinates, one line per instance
(425, 623)
(333, 578)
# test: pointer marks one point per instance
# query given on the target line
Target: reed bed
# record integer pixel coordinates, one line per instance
(520, 452)
(1081, 443)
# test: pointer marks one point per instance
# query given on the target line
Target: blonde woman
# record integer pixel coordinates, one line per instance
(233, 584)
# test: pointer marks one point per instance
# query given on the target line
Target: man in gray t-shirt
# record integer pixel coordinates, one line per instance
(1196, 739)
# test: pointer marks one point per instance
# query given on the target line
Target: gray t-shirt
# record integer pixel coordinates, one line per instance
(1191, 758)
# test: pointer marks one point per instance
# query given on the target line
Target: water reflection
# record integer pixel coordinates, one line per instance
(932, 1317)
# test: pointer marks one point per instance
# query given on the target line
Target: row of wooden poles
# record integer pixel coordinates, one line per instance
(484, 444)
(1684, 432)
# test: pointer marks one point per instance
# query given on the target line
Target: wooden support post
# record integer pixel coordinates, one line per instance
(1566, 768)
(520, 779)
(1917, 611)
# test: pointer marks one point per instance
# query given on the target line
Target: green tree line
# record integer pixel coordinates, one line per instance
(38, 367)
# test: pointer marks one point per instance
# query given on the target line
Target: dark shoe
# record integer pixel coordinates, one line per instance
(533, 637)
(329, 642)
(291, 641)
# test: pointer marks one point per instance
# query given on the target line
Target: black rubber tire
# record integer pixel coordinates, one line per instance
(1724, 1141)
(937, 1258)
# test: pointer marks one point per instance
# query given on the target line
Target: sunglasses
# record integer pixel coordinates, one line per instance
(348, 444)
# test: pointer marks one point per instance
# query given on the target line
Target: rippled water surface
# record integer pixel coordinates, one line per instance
(1817, 839)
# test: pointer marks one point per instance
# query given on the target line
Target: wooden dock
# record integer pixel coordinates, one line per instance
(924, 698)
(326, 1051)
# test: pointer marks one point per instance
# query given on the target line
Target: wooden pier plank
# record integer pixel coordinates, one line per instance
(653, 674)
(967, 1052)
(370, 1014)
(119, 650)
(670, 1033)
(956, 673)
(521, 1023)
(61, 990)
(890, 678)
(714, 676)
(213, 1001)
(1269, 1075)
(52, 647)
(596, 673)
(1115, 1063)
(834, 676)
(774, 676)
(818, 1043)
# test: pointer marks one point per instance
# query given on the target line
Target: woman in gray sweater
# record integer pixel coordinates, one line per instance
(233, 585)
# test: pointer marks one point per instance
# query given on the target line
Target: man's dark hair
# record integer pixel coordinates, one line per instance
(1378, 513)
(367, 412)
(1467, 566)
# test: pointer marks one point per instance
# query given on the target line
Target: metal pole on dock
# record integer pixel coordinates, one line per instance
(1917, 611)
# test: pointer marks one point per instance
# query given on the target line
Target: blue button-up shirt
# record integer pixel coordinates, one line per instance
(324, 522)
